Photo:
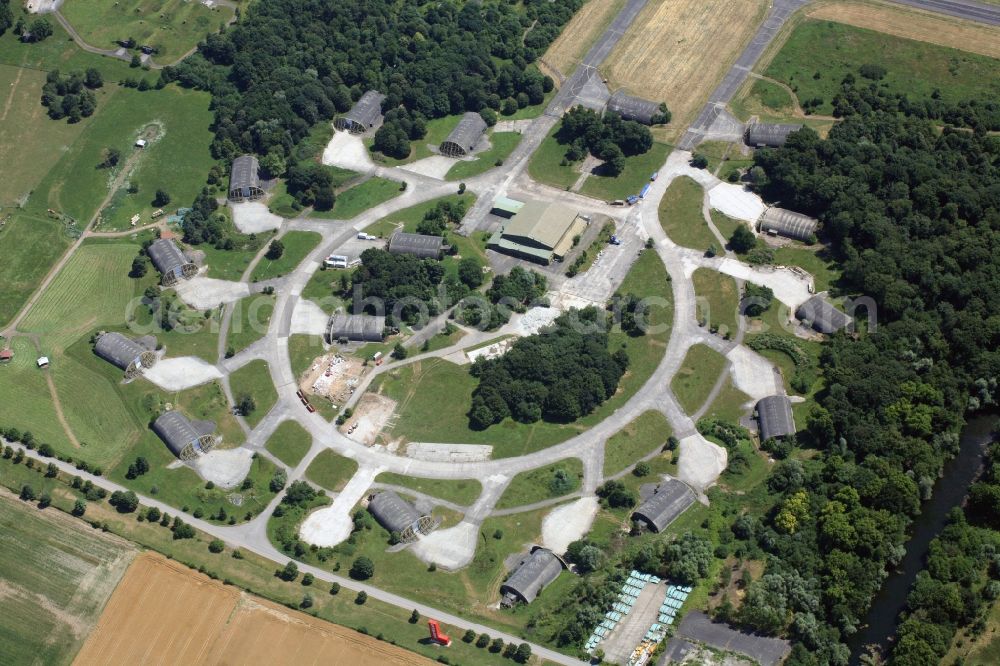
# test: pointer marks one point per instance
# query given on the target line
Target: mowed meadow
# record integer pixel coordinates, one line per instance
(59, 162)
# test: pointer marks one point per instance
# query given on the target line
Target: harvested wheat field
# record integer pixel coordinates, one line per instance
(163, 612)
(914, 24)
(566, 52)
(678, 50)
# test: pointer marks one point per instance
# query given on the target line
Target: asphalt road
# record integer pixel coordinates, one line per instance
(963, 9)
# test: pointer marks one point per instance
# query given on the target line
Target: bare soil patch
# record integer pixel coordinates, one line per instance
(677, 51)
(334, 377)
(165, 612)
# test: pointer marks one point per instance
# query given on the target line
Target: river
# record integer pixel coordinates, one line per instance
(949, 491)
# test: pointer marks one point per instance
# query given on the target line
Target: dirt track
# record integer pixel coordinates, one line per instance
(164, 612)
(914, 24)
(678, 50)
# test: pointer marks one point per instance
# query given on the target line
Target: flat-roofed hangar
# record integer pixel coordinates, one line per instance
(539, 232)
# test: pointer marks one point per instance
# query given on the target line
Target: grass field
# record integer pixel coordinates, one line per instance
(696, 377)
(681, 216)
(331, 471)
(638, 169)
(833, 50)
(250, 320)
(57, 575)
(460, 491)
(728, 406)
(917, 25)
(445, 389)
(297, 245)
(355, 200)
(60, 52)
(576, 38)
(725, 224)
(639, 438)
(289, 443)
(546, 165)
(253, 379)
(408, 218)
(501, 145)
(303, 350)
(537, 485)
(815, 260)
(256, 573)
(676, 51)
(173, 27)
(35, 152)
(30, 244)
(718, 300)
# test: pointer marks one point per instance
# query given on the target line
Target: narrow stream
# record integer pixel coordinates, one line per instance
(949, 491)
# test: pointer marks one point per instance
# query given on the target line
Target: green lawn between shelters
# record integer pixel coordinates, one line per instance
(638, 169)
(546, 164)
(57, 574)
(172, 27)
(728, 406)
(331, 470)
(814, 260)
(408, 218)
(917, 69)
(437, 131)
(251, 316)
(501, 145)
(30, 244)
(253, 379)
(636, 440)
(697, 375)
(357, 199)
(445, 389)
(256, 574)
(289, 443)
(681, 215)
(717, 300)
(540, 484)
(297, 245)
(460, 491)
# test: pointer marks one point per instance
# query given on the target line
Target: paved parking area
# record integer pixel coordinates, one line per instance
(766, 650)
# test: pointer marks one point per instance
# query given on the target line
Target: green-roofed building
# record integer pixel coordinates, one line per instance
(506, 207)
(539, 232)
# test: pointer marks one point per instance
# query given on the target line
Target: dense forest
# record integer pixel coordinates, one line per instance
(289, 64)
(559, 375)
(961, 579)
(607, 137)
(914, 214)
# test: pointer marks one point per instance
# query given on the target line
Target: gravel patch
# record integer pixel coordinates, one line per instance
(331, 525)
(701, 462)
(735, 201)
(449, 452)
(204, 293)
(752, 373)
(253, 217)
(450, 549)
(536, 319)
(177, 374)
(568, 523)
(347, 151)
(225, 469)
(789, 287)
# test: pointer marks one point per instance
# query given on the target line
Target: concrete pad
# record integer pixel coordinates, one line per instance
(495, 350)
(203, 293)
(347, 151)
(331, 525)
(789, 287)
(177, 374)
(253, 217)
(307, 317)
(701, 462)
(449, 452)
(435, 166)
(536, 319)
(736, 201)
(752, 373)
(226, 469)
(566, 524)
(450, 549)
(519, 126)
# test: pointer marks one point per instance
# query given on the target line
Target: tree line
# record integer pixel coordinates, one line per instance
(913, 214)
